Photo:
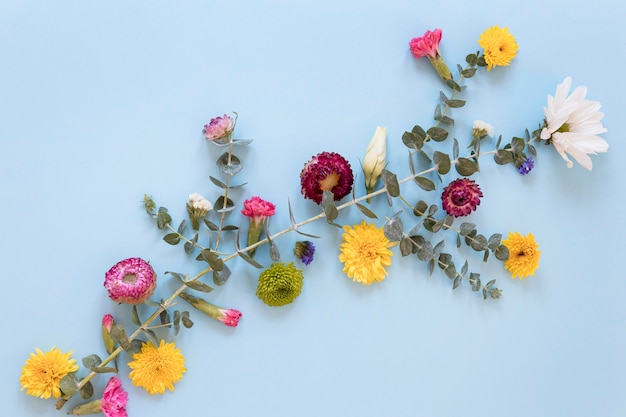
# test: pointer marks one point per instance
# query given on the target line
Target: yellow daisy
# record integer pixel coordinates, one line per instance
(499, 45)
(365, 253)
(524, 255)
(42, 373)
(157, 368)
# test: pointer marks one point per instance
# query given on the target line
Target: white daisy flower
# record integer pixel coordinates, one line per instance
(573, 123)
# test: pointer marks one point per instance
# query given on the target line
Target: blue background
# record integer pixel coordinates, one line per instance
(102, 102)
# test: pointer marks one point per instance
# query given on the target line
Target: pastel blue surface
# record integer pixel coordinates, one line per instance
(102, 102)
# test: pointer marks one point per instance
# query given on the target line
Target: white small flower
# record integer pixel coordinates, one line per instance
(482, 129)
(572, 124)
(374, 160)
(198, 202)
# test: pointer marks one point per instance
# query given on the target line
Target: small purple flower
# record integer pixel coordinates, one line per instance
(305, 251)
(527, 166)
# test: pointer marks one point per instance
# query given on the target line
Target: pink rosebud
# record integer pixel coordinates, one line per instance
(107, 321)
(428, 46)
(107, 324)
(218, 128)
(130, 281)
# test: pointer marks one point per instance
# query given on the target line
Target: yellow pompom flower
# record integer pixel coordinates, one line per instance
(524, 255)
(42, 373)
(499, 45)
(157, 368)
(365, 253)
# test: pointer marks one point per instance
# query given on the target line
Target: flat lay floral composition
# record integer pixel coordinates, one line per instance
(571, 126)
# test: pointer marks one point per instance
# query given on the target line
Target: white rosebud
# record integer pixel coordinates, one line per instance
(374, 161)
(482, 129)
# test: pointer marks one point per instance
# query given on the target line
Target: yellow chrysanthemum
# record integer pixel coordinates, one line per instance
(42, 373)
(365, 253)
(499, 45)
(157, 368)
(523, 255)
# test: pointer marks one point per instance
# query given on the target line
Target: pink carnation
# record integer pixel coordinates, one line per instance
(461, 197)
(218, 128)
(130, 281)
(114, 399)
(230, 316)
(427, 45)
(257, 209)
(326, 171)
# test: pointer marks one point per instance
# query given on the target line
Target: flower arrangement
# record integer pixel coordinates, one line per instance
(572, 125)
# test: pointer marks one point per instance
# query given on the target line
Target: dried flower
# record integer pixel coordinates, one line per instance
(257, 210)
(374, 160)
(130, 281)
(280, 284)
(157, 368)
(526, 166)
(524, 255)
(228, 316)
(326, 171)
(197, 208)
(219, 128)
(304, 250)
(112, 404)
(107, 325)
(499, 45)
(365, 253)
(461, 197)
(428, 46)
(481, 129)
(573, 123)
(41, 375)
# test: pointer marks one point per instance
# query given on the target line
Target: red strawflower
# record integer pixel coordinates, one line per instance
(461, 197)
(326, 171)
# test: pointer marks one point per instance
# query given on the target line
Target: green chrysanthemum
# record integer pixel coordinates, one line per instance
(279, 284)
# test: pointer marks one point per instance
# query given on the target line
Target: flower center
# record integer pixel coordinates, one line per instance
(459, 198)
(564, 128)
(329, 181)
(130, 278)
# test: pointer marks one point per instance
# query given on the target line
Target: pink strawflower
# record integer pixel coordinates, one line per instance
(326, 171)
(257, 209)
(218, 128)
(114, 399)
(461, 197)
(428, 46)
(230, 317)
(130, 281)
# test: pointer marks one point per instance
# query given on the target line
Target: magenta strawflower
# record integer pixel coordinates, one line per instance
(130, 281)
(326, 171)
(257, 210)
(219, 128)
(428, 46)
(461, 197)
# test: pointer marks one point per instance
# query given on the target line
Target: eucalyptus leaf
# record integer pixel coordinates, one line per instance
(479, 243)
(212, 226)
(229, 165)
(455, 104)
(450, 271)
(181, 227)
(393, 229)
(249, 260)
(220, 206)
(163, 218)
(442, 161)
(119, 335)
(439, 248)
(134, 316)
(164, 316)
(86, 391)
(466, 228)
(502, 253)
(425, 184)
(218, 182)
(186, 320)
(91, 361)
(151, 335)
(468, 73)
(179, 277)
(406, 246)
(455, 149)
(474, 280)
(438, 134)
(369, 213)
(188, 246)
(391, 183)
(503, 157)
(471, 59)
(425, 251)
(420, 208)
(172, 238)
(220, 277)
(419, 132)
(328, 204)
(69, 384)
(457, 282)
(494, 241)
(466, 167)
